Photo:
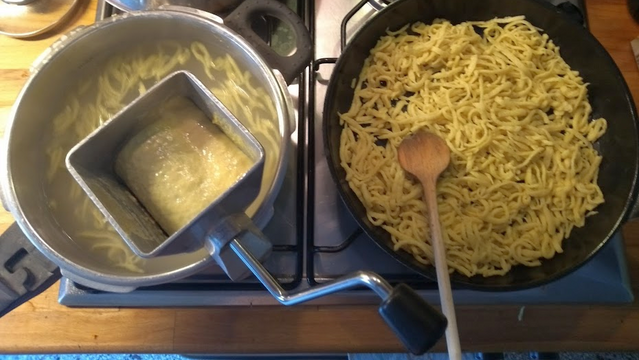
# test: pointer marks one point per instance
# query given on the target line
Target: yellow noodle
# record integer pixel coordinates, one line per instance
(523, 169)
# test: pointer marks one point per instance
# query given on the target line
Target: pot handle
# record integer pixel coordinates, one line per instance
(24, 271)
(290, 66)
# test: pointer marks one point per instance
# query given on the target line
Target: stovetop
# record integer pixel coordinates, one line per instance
(320, 240)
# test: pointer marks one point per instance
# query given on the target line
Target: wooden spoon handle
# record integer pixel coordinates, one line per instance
(443, 279)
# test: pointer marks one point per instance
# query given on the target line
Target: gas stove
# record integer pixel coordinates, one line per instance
(315, 237)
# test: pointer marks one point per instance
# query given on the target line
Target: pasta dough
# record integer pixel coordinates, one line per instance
(180, 164)
(523, 169)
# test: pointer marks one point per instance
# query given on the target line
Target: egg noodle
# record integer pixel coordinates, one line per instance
(523, 169)
(95, 101)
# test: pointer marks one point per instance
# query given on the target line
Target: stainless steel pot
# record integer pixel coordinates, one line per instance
(80, 54)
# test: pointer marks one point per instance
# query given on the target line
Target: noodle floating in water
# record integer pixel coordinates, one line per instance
(523, 169)
(95, 101)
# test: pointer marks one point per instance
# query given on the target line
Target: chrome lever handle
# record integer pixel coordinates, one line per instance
(366, 278)
(417, 324)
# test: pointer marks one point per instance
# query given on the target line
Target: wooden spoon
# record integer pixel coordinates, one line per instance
(426, 156)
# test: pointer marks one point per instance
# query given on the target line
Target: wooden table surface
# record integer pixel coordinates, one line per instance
(42, 325)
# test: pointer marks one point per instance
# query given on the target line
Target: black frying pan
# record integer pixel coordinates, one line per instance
(608, 95)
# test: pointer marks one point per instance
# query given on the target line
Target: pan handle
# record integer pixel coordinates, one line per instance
(417, 324)
(24, 271)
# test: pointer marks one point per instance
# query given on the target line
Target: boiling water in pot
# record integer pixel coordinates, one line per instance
(98, 96)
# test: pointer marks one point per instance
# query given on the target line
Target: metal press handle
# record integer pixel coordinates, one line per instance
(417, 324)
(371, 280)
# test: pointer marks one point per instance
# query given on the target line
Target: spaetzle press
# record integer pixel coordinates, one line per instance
(92, 165)
(235, 243)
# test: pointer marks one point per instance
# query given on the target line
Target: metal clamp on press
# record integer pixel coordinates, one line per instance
(237, 229)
